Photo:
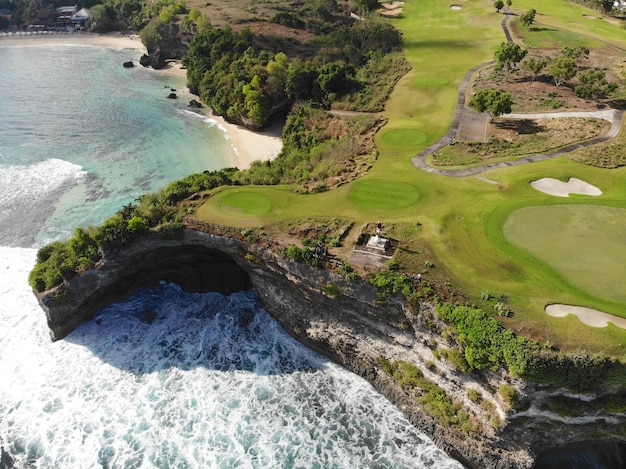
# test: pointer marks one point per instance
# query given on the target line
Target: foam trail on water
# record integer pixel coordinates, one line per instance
(197, 115)
(27, 197)
(212, 122)
(35, 182)
(172, 379)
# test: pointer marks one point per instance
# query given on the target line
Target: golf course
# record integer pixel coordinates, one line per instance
(492, 234)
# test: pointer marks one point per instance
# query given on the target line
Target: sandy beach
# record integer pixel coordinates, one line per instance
(248, 145)
(113, 40)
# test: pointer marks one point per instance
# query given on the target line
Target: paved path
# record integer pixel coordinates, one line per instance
(614, 116)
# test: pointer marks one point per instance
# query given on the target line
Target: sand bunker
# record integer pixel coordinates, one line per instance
(564, 189)
(455, 7)
(391, 9)
(591, 317)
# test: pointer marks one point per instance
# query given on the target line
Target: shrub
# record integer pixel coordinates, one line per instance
(457, 358)
(112, 233)
(486, 295)
(473, 395)
(171, 230)
(502, 310)
(386, 365)
(509, 394)
(331, 290)
(387, 283)
(407, 374)
(137, 225)
(58, 266)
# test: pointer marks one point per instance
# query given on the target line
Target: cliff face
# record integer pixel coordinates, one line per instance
(353, 330)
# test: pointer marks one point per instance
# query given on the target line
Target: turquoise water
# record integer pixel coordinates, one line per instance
(94, 134)
(192, 388)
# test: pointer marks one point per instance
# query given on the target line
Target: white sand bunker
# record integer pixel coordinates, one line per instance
(564, 189)
(591, 317)
(391, 9)
(455, 7)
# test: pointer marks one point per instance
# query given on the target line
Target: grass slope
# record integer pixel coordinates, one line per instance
(461, 219)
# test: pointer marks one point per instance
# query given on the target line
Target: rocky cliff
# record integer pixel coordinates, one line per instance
(355, 330)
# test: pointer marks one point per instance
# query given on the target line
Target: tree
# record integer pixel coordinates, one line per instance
(255, 101)
(496, 102)
(528, 18)
(535, 65)
(333, 78)
(499, 5)
(508, 56)
(562, 69)
(576, 53)
(606, 5)
(508, 3)
(593, 85)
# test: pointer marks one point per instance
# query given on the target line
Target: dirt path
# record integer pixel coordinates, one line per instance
(462, 114)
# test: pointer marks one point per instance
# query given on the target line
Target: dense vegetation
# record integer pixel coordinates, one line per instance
(250, 85)
(482, 343)
(488, 345)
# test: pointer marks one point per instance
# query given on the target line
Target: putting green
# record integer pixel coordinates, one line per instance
(245, 203)
(380, 193)
(404, 137)
(585, 243)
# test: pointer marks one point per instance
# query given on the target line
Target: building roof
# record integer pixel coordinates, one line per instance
(67, 9)
(81, 14)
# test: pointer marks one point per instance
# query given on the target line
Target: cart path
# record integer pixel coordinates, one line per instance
(614, 116)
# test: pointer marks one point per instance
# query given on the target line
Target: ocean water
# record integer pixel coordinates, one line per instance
(166, 379)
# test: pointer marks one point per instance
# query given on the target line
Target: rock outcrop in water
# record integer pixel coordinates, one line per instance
(353, 330)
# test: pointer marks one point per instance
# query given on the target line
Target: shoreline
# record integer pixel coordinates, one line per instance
(112, 40)
(247, 144)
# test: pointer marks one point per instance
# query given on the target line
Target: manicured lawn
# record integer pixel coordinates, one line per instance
(576, 19)
(595, 251)
(243, 203)
(380, 193)
(463, 219)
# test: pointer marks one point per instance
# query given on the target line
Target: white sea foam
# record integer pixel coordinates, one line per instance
(171, 379)
(212, 122)
(197, 115)
(28, 184)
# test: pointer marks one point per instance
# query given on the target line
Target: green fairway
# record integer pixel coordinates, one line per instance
(586, 243)
(405, 137)
(467, 222)
(244, 203)
(577, 21)
(378, 193)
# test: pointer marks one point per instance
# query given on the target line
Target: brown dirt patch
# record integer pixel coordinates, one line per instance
(257, 16)
(541, 95)
(514, 138)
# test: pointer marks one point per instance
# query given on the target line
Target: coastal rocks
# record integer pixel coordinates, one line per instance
(166, 44)
(195, 104)
(172, 96)
(154, 60)
(128, 64)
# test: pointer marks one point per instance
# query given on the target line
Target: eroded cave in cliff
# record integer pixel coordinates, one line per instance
(196, 269)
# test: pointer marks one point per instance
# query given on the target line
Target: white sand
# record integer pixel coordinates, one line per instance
(564, 189)
(591, 317)
(113, 40)
(248, 145)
